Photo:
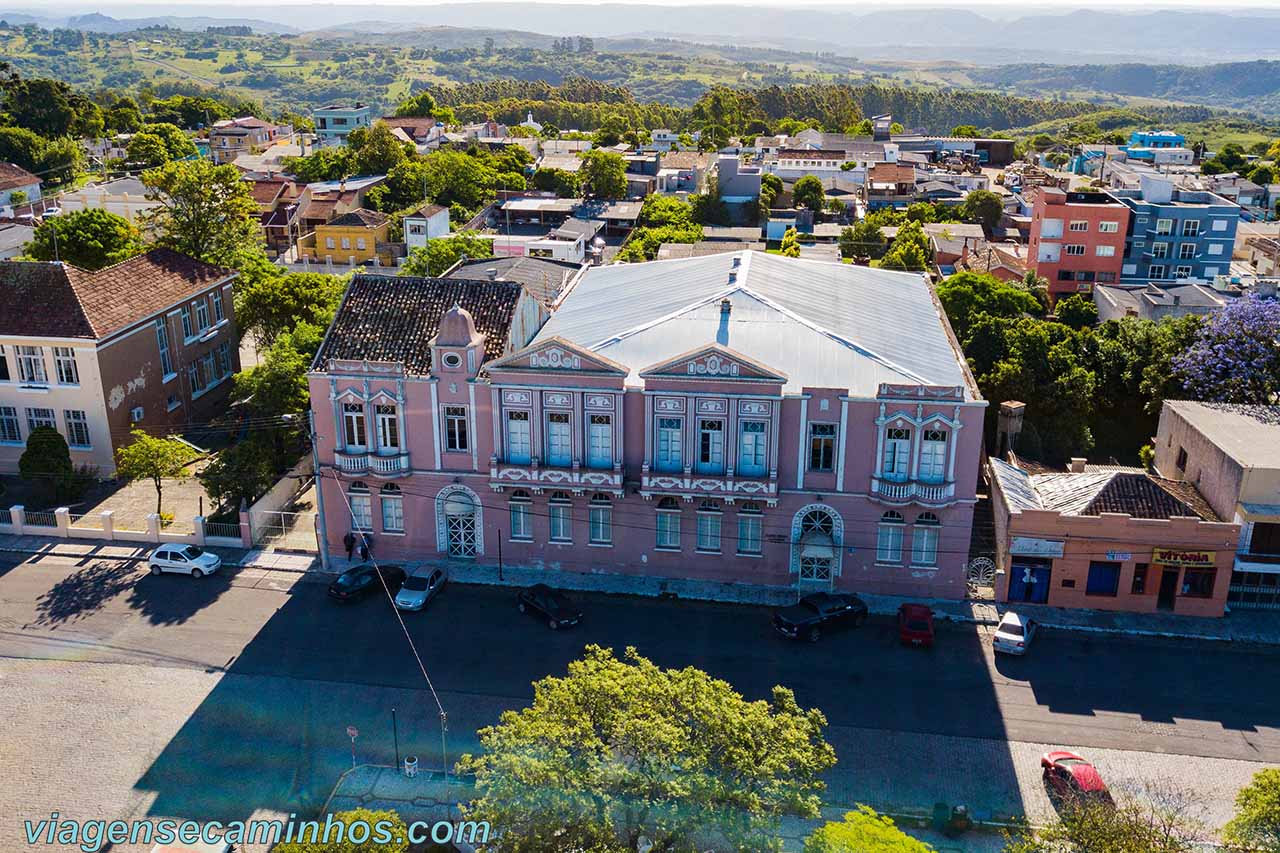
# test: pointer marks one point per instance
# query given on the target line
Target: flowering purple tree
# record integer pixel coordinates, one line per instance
(1236, 356)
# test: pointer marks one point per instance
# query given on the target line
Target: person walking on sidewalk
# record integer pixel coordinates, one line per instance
(349, 541)
(366, 545)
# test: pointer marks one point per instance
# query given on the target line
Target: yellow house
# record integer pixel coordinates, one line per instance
(356, 237)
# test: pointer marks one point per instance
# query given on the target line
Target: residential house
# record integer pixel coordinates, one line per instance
(1176, 234)
(17, 181)
(429, 222)
(1156, 139)
(334, 122)
(1005, 261)
(270, 161)
(683, 172)
(1231, 453)
(1155, 302)
(230, 138)
(739, 187)
(278, 211)
(662, 139)
(354, 238)
(426, 133)
(702, 248)
(564, 146)
(324, 201)
(148, 343)
(741, 424)
(570, 163)
(1077, 239)
(791, 164)
(951, 240)
(1108, 538)
(890, 185)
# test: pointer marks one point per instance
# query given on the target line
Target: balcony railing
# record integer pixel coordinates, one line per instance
(535, 476)
(690, 484)
(367, 462)
(913, 491)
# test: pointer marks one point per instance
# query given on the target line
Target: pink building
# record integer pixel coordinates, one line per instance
(709, 426)
(1077, 240)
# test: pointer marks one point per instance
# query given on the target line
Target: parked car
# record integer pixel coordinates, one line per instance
(420, 588)
(1071, 777)
(1014, 634)
(183, 559)
(915, 625)
(813, 614)
(363, 579)
(550, 603)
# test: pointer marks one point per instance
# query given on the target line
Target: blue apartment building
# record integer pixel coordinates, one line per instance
(335, 121)
(1176, 234)
(1156, 139)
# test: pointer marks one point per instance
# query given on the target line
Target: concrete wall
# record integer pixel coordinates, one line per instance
(1218, 477)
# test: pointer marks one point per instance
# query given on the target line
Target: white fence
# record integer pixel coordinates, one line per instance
(277, 519)
(61, 524)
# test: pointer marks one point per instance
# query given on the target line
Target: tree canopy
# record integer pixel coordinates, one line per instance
(154, 458)
(620, 751)
(91, 239)
(863, 831)
(440, 254)
(603, 174)
(205, 211)
(1256, 823)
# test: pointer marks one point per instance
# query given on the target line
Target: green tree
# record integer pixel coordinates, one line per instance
(621, 750)
(863, 831)
(205, 211)
(153, 458)
(867, 240)
(563, 184)
(1161, 821)
(1077, 311)
(660, 209)
(146, 149)
(809, 192)
(1263, 174)
(603, 174)
(770, 187)
(921, 211)
(965, 295)
(123, 116)
(862, 128)
(278, 386)
(964, 130)
(896, 127)
(271, 305)
(396, 831)
(1255, 826)
(421, 105)
(242, 472)
(381, 151)
(90, 239)
(440, 254)
(611, 131)
(176, 143)
(790, 244)
(326, 164)
(46, 462)
(911, 250)
(985, 208)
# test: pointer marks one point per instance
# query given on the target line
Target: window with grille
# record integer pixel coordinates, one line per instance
(670, 441)
(41, 418)
(600, 441)
(933, 455)
(31, 365)
(64, 362)
(388, 426)
(9, 430)
(710, 446)
(897, 450)
(559, 439)
(77, 428)
(162, 342)
(353, 426)
(187, 331)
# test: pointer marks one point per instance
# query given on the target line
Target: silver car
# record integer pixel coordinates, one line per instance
(418, 589)
(1014, 634)
(183, 559)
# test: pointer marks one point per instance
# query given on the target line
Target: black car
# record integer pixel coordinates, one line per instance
(559, 611)
(813, 614)
(360, 580)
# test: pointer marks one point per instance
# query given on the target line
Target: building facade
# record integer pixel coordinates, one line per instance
(17, 185)
(357, 237)
(1077, 239)
(147, 343)
(1176, 234)
(429, 222)
(335, 122)
(1107, 539)
(230, 138)
(739, 419)
(1232, 454)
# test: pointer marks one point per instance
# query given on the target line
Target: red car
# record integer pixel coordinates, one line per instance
(1071, 777)
(915, 625)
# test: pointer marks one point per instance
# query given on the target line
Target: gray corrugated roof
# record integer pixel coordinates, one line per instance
(1015, 485)
(822, 324)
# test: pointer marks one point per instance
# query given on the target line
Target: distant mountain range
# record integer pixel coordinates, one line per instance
(909, 33)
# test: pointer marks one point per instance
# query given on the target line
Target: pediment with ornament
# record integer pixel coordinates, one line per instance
(714, 362)
(557, 354)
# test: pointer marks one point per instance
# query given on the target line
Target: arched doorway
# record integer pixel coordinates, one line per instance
(816, 535)
(459, 523)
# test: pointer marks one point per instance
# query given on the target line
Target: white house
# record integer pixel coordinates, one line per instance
(15, 179)
(429, 222)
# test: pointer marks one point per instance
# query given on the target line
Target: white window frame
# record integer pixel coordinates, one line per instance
(600, 520)
(219, 313)
(518, 441)
(355, 429)
(1157, 271)
(31, 368)
(599, 441)
(897, 453)
(669, 450)
(1078, 225)
(1183, 271)
(924, 541)
(1075, 250)
(889, 534)
(1164, 227)
(1191, 228)
(933, 456)
(750, 530)
(1109, 227)
(388, 418)
(392, 512)
(39, 416)
(64, 366)
(10, 426)
(185, 314)
(710, 524)
(1105, 251)
(457, 438)
(710, 446)
(667, 527)
(753, 447)
(521, 516)
(162, 343)
(560, 515)
(77, 429)
(361, 508)
(559, 429)
(1186, 251)
(202, 315)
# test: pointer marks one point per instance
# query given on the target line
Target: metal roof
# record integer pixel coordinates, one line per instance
(829, 325)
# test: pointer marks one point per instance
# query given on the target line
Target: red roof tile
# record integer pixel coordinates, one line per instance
(12, 177)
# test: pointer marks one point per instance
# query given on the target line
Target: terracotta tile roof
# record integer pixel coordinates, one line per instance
(360, 218)
(320, 208)
(415, 126)
(685, 160)
(393, 318)
(265, 192)
(13, 177)
(59, 300)
(427, 211)
(893, 173)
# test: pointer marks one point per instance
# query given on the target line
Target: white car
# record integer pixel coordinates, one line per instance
(418, 589)
(1014, 634)
(184, 559)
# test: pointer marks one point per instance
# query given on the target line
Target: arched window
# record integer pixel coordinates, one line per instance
(924, 539)
(817, 546)
(361, 506)
(559, 508)
(600, 519)
(709, 527)
(889, 537)
(521, 522)
(750, 528)
(816, 520)
(668, 525)
(392, 509)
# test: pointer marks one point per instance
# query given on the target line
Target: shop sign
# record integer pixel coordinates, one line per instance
(1119, 556)
(1174, 557)
(1027, 546)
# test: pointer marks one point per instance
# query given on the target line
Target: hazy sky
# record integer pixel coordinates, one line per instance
(1024, 6)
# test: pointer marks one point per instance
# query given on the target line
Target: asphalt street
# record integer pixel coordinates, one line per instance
(289, 669)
